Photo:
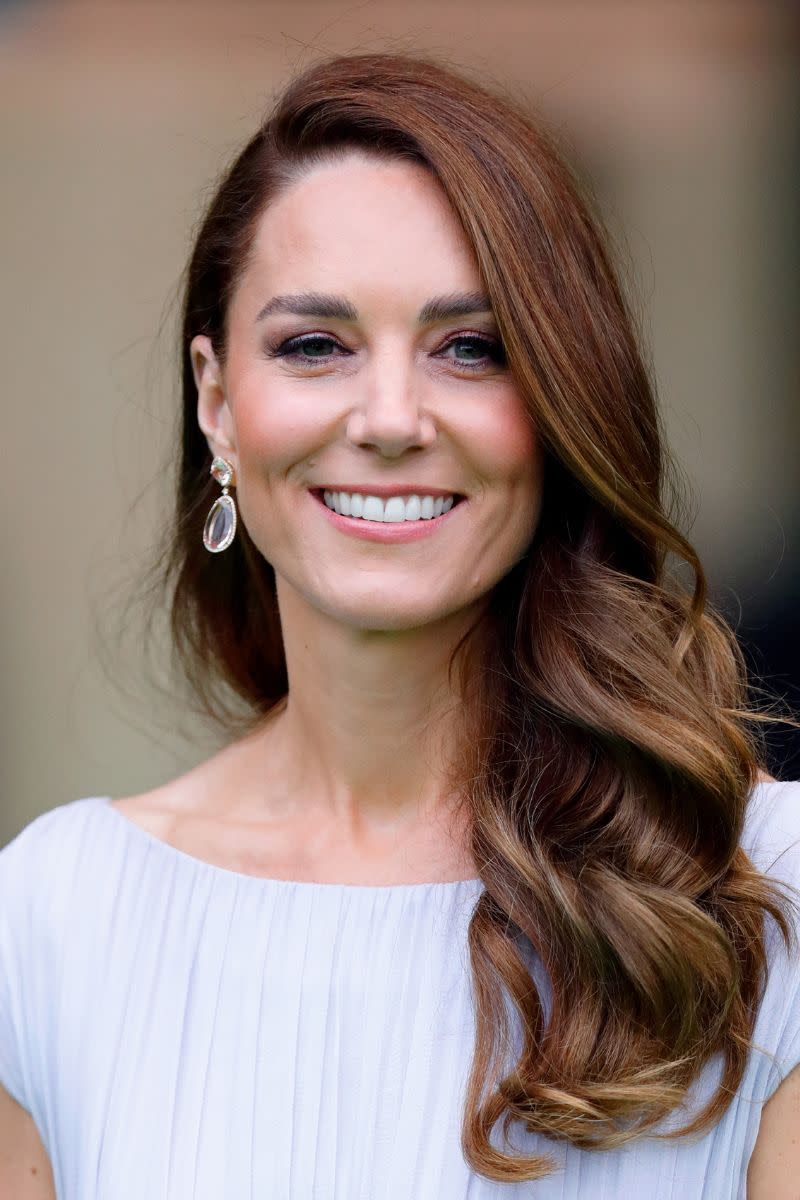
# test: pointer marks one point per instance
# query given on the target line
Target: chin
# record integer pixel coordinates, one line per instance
(390, 617)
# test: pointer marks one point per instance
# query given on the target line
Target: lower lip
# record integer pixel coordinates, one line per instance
(382, 531)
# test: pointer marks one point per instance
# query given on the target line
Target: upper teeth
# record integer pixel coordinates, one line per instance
(394, 508)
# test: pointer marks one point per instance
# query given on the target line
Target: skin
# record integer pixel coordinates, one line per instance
(774, 1169)
(346, 783)
(353, 766)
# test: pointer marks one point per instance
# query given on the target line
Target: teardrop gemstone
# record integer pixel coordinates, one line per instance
(220, 525)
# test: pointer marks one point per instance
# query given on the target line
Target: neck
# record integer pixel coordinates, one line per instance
(370, 720)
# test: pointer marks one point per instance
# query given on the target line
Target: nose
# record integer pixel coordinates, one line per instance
(388, 415)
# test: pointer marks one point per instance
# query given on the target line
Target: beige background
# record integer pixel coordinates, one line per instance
(117, 118)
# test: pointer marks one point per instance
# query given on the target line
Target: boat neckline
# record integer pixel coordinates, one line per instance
(167, 849)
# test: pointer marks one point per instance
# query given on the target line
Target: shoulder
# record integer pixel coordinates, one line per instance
(771, 840)
(38, 872)
(48, 827)
(45, 857)
(775, 1162)
(771, 835)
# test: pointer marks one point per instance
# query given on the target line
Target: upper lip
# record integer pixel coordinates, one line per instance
(385, 490)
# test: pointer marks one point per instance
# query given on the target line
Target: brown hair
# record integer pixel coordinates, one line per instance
(607, 754)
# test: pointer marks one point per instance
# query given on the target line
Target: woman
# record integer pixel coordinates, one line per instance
(475, 898)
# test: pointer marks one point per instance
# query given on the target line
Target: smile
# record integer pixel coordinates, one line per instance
(399, 518)
(393, 509)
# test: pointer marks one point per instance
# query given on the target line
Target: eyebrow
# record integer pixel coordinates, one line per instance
(322, 304)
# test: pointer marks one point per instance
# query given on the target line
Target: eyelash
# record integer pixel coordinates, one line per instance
(290, 349)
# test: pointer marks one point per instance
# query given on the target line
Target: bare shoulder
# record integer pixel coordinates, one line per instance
(185, 798)
(145, 810)
(25, 1171)
(775, 1162)
(202, 814)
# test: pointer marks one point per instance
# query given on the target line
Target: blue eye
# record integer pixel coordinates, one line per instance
(488, 349)
(311, 348)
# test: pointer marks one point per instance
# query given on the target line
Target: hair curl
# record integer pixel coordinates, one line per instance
(607, 757)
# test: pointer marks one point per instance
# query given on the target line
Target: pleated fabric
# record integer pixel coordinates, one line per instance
(184, 1032)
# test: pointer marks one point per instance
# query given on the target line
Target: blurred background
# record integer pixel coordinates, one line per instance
(118, 117)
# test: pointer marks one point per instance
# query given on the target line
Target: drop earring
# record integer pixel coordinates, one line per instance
(220, 523)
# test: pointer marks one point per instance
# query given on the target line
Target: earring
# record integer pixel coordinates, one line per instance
(220, 523)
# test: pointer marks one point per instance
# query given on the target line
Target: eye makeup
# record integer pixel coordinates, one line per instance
(292, 349)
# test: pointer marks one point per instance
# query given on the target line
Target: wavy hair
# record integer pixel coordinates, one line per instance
(609, 740)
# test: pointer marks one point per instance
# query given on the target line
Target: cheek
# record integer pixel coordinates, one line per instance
(506, 447)
(275, 439)
(509, 458)
(273, 431)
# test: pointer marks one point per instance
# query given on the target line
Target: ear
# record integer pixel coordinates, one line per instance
(213, 412)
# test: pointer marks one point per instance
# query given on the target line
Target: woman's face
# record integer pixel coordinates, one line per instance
(338, 380)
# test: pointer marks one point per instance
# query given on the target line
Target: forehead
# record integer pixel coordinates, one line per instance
(361, 219)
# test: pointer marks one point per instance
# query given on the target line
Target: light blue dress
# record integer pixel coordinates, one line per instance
(183, 1031)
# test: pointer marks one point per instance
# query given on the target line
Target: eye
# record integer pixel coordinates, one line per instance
(316, 344)
(482, 352)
